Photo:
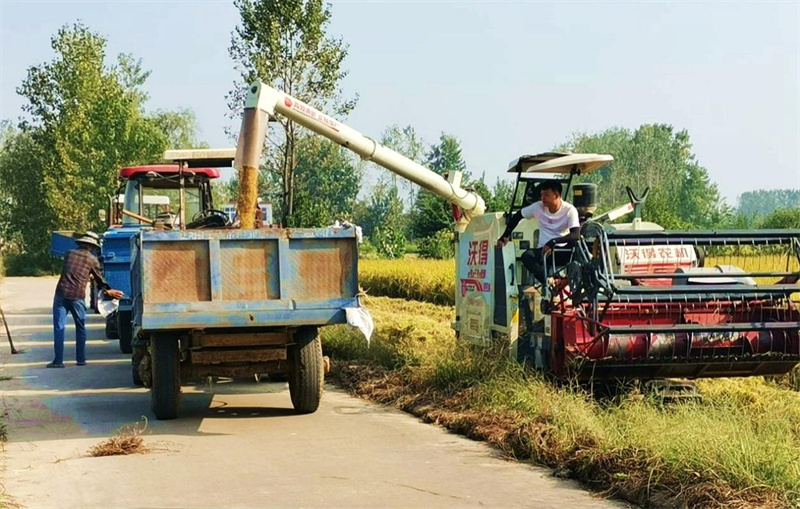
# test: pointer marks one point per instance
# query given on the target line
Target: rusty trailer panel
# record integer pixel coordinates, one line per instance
(243, 370)
(248, 270)
(180, 270)
(207, 279)
(238, 355)
(256, 339)
(328, 267)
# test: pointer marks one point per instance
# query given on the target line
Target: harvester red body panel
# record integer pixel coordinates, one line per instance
(651, 320)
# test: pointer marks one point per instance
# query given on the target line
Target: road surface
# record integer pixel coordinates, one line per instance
(235, 444)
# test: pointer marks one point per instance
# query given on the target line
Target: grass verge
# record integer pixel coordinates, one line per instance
(738, 448)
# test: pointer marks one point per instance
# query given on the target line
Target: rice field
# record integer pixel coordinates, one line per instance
(433, 281)
(424, 280)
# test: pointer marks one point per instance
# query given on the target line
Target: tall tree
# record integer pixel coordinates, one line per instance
(180, 128)
(656, 156)
(432, 213)
(284, 43)
(327, 183)
(763, 202)
(85, 120)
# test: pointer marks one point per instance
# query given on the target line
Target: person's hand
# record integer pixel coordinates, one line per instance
(115, 294)
(502, 241)
(546, 249)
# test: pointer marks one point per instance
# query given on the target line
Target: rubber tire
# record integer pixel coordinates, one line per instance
(166, 391)
(307, 370)
(111, 326)
(125, 331)
(136, 360)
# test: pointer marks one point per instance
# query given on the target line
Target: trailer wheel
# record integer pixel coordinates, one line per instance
(111, 326)
(165, 365)
(125, 331)
(307, 370)
(136, 362)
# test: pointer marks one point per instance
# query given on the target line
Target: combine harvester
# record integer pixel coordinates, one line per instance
(634, 302)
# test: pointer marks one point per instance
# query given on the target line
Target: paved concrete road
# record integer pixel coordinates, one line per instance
(236, 444)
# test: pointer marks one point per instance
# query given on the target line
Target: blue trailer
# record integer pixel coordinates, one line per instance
(235, 303)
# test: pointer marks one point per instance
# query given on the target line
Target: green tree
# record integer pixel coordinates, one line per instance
(326, 184)
(656, 156)
(85, 120)
(383, 208)
(787, 217)
(284, 43)
(180, 128)
(498, 198)
(404, 141)
(763, 202)
(431, 213)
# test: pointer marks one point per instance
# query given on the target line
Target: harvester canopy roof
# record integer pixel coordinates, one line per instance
(522, 163)
(580, 164)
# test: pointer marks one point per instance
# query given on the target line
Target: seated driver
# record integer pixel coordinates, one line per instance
(558, 225)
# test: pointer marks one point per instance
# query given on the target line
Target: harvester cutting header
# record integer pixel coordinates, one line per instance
(624, 300)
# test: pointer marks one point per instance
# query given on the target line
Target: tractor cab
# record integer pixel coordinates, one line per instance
(151, 196)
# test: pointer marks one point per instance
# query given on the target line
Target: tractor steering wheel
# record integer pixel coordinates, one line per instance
(210, 218)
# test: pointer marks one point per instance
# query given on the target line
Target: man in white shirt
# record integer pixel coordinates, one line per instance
(558, 226)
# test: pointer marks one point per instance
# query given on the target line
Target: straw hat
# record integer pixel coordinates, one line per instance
(89, 238)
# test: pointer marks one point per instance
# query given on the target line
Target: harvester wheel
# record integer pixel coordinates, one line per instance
(125, 331)
(307, 370)
(166, 391)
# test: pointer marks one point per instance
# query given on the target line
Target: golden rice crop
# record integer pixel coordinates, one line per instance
(433, 281)
(416, 279)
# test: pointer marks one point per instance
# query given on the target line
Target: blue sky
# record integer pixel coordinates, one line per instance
(506, 78)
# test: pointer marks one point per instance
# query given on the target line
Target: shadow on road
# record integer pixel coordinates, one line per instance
(95, 400)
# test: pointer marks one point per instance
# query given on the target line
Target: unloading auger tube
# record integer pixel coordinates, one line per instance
(264, 101)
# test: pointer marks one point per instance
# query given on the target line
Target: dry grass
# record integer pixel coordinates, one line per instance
(739, 447)
(127, 440)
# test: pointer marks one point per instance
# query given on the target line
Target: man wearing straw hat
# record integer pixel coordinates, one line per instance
(79, 265)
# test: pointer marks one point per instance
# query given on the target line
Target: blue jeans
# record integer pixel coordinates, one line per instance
(77, 308)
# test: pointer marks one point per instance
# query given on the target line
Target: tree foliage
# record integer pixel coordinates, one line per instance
(283, 43)
(180, 128)
(327, 182)
(432, 213)
(656, 156)
(787, 217)
(85, 119)
(763, 202)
